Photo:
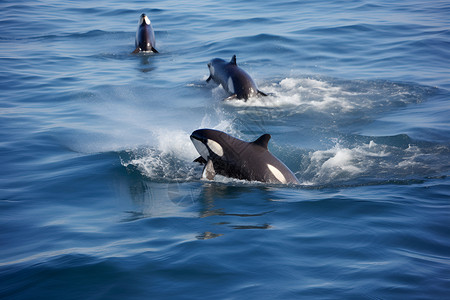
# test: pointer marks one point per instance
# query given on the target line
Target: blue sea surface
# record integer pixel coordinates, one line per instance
(99, 194)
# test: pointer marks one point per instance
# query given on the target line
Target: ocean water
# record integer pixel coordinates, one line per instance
(100, 199)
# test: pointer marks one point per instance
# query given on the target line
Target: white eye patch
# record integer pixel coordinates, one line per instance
(215, 147)
(144, 19)
(278, 175)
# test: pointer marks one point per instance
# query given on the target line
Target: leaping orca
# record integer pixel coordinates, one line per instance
(145, 36)
(228, 156)
(233, 79)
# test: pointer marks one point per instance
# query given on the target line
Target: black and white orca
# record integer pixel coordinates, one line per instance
(145, 36)
(228, 156)
(233, 79)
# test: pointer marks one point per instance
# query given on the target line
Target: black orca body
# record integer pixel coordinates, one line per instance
(228, 156)
(233, 79)
(145, 36)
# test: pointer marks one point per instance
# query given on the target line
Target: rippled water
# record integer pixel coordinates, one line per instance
(99, 197)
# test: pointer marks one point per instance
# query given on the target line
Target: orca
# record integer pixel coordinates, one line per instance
(231, 157)
(145, 36)
(233, 79)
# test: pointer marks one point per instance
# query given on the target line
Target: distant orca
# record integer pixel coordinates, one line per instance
(233, 79)
(145, 37)
(225, 155)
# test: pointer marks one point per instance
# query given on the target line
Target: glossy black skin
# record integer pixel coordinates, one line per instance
(243, 86)
(243, 160)
(145, 37)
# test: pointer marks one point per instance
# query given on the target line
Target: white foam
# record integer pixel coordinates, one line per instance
(370, 160)
(334, 163)
(176, 143)
(172, 154)
(340, 163)
(303, 93)
(161, 166)
(331, 96)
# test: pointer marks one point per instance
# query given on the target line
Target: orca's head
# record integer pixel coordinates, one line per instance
(144, 20)
(209, 143)
(213, 64)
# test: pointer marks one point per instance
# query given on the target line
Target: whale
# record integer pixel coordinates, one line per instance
(233, 79)
(145, 36)
(228, 156)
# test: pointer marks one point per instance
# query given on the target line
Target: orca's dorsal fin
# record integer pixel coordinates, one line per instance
(233, 60)
(263, 140)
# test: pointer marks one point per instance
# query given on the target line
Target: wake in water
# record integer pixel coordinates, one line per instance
(331, 96)
(365, 163)
(302, 105)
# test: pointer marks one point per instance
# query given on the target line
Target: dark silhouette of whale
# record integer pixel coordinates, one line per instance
(228, 156)
(145, 36)
(233, 79)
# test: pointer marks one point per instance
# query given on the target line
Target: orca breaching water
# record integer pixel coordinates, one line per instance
(145, 36)
(233, 79)
(228, 156)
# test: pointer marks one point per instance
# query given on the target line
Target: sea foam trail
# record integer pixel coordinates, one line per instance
(330, 95)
